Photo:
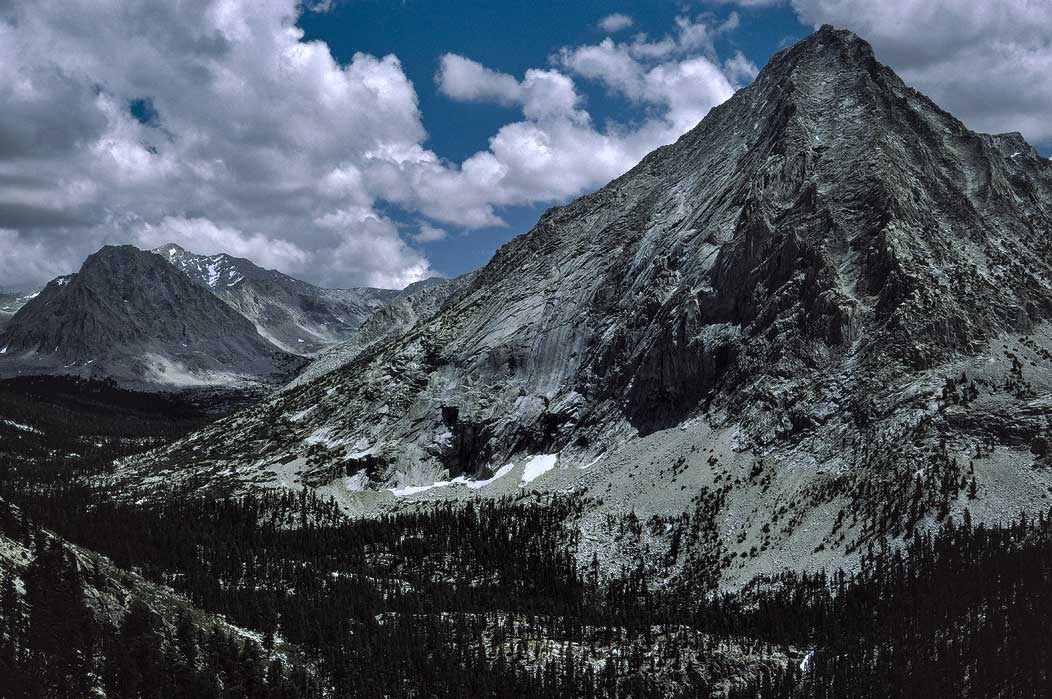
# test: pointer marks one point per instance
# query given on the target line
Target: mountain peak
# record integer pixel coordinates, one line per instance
(828, 52)
(169, 250)
(828, 37)
(131, 315)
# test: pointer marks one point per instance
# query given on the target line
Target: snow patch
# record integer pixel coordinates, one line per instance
(296, 417)
(593, 462)
(805, 664)
(414, 489)
(501, 472)
(160, 369)
(538, 466)
(358, 482)
(19, 426)
(407, 490)
(324, 437)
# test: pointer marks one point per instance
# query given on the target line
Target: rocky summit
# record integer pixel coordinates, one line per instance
(131, 316)
(296, 316)
(817, 318)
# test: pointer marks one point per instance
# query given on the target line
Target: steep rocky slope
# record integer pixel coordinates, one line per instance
(296, 316)
(417, 303)
(818, 318)
(129, 315)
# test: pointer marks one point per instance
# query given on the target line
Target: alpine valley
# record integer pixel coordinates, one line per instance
(769, 415)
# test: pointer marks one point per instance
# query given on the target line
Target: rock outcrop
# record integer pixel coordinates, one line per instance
(131, 316)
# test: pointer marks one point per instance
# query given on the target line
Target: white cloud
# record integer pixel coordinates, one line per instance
(739, 69)
(987, 63)
(25, 257)
(426, 233)
(556, 151)
(749, 3)
(464, 79)
(257, 133)
(615, 22)
(261, 144)
(667, 72)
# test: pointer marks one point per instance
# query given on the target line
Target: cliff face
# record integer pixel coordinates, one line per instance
(796, 286)
(130, 315)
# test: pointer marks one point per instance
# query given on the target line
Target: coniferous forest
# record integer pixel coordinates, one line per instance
(486, 599)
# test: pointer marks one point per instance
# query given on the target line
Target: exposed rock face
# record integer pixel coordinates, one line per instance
(417, 303)
(792, 285)
(296, 316)
(130, 315)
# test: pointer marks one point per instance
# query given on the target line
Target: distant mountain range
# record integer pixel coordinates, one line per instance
(173, 318)
(298, 317)
(11, 301)
(131, 316)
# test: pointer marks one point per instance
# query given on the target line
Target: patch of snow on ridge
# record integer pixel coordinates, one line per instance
(407, 490)
(324, 437)
(414, 489)
(502, 471)
(358, 482)
(538, 466)
(21, 427)
(213, 275)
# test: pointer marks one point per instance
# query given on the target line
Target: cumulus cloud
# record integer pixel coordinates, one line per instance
(214, 124)
(254, 134)
(739, 69)
(26, 257)
(557, 150)
(615, 22)
(426, 233)
(467, 80)
(667, 72)
(988, 63)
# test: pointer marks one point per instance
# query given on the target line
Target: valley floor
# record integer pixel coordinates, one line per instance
(281, 595)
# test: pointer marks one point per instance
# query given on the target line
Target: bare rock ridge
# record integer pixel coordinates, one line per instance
(417, 303)
(296, 316)
(791, 289)
(130, 315)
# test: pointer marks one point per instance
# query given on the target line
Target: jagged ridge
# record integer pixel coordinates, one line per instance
(296, 316)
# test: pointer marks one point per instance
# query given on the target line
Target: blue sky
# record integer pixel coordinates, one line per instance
(378, 142)
(512, 37)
